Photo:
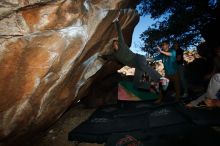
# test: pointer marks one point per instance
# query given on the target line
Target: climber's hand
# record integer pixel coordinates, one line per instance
(117, 17)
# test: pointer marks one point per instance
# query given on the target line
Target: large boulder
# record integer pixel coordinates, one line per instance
(49, 56)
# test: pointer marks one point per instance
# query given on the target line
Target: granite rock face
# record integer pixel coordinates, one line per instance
(49, 56)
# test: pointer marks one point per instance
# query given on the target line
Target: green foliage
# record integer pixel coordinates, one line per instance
(184, 20)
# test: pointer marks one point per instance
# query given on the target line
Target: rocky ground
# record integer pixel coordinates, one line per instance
(57, 135)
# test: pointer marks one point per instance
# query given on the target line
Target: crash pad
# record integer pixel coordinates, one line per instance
(128, 92)
(114, 119)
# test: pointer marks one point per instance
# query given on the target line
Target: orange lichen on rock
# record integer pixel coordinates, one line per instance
(32, 18)
(9, 64)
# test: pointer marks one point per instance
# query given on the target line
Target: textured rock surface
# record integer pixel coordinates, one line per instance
(49, 56)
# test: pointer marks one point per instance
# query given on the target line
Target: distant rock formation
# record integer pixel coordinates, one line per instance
(49, 56)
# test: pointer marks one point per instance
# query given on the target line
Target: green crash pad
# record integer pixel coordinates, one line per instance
(127, 91)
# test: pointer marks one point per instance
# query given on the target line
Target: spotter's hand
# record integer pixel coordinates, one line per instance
(158, 48)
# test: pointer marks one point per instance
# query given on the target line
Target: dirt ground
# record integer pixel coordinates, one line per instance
(57, 135)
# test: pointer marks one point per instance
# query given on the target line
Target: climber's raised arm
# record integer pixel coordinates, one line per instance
(118, 29)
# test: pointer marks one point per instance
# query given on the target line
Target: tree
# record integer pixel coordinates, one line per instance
(186, 21)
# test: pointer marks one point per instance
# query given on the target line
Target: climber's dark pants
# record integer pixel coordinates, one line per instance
(139, 62)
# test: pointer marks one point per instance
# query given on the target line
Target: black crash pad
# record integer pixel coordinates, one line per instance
(142, 117)
(202, 116)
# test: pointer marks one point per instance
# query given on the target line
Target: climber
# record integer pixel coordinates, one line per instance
(125, 56)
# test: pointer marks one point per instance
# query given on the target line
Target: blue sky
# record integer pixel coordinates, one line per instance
(144, 23)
